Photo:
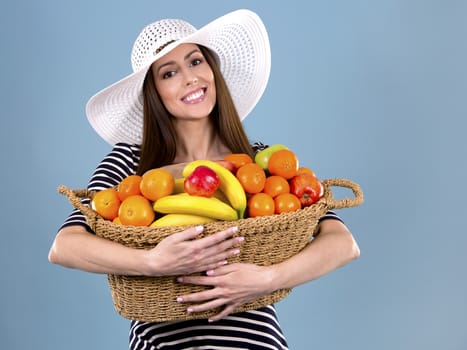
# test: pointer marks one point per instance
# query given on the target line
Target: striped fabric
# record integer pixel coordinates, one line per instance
(257, 329)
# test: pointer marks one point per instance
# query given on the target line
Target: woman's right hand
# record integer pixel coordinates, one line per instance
(181, 253)
(178, 254)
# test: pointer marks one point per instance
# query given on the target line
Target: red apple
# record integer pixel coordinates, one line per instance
(227, 164)
(307, 188)
(203, 181)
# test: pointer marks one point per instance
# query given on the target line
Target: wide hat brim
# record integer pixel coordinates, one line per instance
(241, 44)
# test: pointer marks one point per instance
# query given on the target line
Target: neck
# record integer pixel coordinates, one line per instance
(198, 140)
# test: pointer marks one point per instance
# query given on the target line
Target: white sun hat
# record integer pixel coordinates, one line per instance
(240, 43)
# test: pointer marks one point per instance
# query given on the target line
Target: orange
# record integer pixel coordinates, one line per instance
(129, 186)
(284, 163)
(156, 183)
(260, 204)
(238, 159)
(252, 177)
(286, 203)
(106, 203)
(136, 210)
(305, 170)
(276, 185)
(117, 221)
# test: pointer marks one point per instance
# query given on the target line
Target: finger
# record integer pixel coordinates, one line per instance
(217, 262)
(209, 262)
(216, 259)
(199, 280)
(188, 234)
(223, 269)
(210, 305)
(216, 238)
(217, 256)
(225, 312)
(198, 297)
(223, 246)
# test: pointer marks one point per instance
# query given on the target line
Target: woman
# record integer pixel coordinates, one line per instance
(185, 101)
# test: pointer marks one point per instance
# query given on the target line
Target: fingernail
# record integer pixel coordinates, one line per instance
(234, 229)
(236, 251)
(240, 239)
(179, 279)
(189, 310)
(199, 228)
(222, 263)
(210, 272)
(180, 299)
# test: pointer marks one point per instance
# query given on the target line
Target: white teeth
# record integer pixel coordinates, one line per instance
(195, 95)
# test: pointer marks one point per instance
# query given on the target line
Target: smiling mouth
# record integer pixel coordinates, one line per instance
(195, 96)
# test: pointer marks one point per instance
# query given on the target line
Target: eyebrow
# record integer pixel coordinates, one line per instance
(173, 62)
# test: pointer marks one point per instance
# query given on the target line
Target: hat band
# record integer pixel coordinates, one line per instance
(162, 47)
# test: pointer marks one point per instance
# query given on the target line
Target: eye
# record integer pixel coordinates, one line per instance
(168, 74)
(196, 61)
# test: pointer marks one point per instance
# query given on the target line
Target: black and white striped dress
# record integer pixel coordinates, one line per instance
(256, 329)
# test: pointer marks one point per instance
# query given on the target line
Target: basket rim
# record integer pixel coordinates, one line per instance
(74, 197)
(155, 234)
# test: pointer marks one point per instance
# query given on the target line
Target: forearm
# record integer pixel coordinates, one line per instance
(76, 248)
(332, 248)
(178, 254)
(237, 283)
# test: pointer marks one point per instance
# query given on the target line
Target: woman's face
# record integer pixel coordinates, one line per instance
(185, 82)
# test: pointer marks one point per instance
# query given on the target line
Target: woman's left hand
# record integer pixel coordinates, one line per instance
(233, 285)
(238, 283)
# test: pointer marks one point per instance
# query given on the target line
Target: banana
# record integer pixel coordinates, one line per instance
(229, 185)
(178, 185)
(180, 189)
(195, 205)
(181, 220)
(221, 196)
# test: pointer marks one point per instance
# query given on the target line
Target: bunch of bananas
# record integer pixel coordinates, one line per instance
(228, 203)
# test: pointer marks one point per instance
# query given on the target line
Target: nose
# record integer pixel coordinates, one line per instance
(192, 81)
(190, 77)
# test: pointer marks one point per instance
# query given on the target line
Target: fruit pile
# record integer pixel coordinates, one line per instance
(230, 189)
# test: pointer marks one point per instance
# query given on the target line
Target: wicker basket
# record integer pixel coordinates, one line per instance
(268, 240)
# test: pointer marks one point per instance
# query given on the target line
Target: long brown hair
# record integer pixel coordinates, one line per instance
(159, 146)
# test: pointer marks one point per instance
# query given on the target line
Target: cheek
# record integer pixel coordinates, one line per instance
(205, 73)
(213, 92)
(167, 91)
(210, 77)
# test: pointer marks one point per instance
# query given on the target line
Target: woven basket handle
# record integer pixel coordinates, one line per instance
(345, 202)
(74, 198)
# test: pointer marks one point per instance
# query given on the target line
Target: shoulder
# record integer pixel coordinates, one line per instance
(124, 155)
(126, 150)
(258, 146)
(120, 162)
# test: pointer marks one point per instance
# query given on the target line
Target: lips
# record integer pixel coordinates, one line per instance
(195, 96)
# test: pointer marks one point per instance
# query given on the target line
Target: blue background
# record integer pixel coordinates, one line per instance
(373, 91)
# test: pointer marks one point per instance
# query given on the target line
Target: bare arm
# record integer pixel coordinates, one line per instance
(237, 284)
(179, 253)
(333, 247)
